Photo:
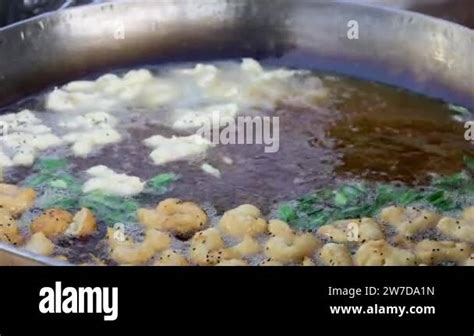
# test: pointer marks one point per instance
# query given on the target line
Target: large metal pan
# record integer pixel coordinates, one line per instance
(409, 50)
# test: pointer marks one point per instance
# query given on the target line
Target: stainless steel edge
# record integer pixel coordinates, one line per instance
(12, 256)
(406, 49)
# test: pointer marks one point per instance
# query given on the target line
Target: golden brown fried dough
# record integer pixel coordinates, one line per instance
(171, 258)
(233, 262)
(409, 221)
(206, 248)
(288, 247)
(460, 229)
(381, 253)
(15, 199)
(432, 252)
(40, 244)
(83, 224)
(129, 253)
(245, 220)
(52, 222)
(352, 230)
(335, 255)
(9, 231)
(173, 215)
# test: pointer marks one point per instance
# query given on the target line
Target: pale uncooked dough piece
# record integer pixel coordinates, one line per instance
(460, 229)
(108, 181)
(176, 148)
(202, 74)
(266, 88)
(381, 253)
(209, 116)
(352, 230)
(89, 132)
(137, 88)
(84, 142)
(432, 252)
(208, 169)
(245, 220)
(409, 221)
(193, 92)
(333, 254)
(92, 120)
(249, 84)
(22, 137)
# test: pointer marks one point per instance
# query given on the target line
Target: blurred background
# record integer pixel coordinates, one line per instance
(460, 11)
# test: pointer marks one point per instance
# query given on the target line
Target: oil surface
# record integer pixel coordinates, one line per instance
(363, 130)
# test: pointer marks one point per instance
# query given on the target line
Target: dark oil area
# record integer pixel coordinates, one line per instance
(388, 134)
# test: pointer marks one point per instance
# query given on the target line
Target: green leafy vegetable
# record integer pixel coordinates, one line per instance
(316, 220)
(52, 172)
(340, 199)
(60, 202)
(49, 165)
(459, 110)
(59, 183)
(111, 209)
(161, 183)
(354, 200)
(452, 182)
(408, 197)
(287, 213)
(469, 162)
(36, 181)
